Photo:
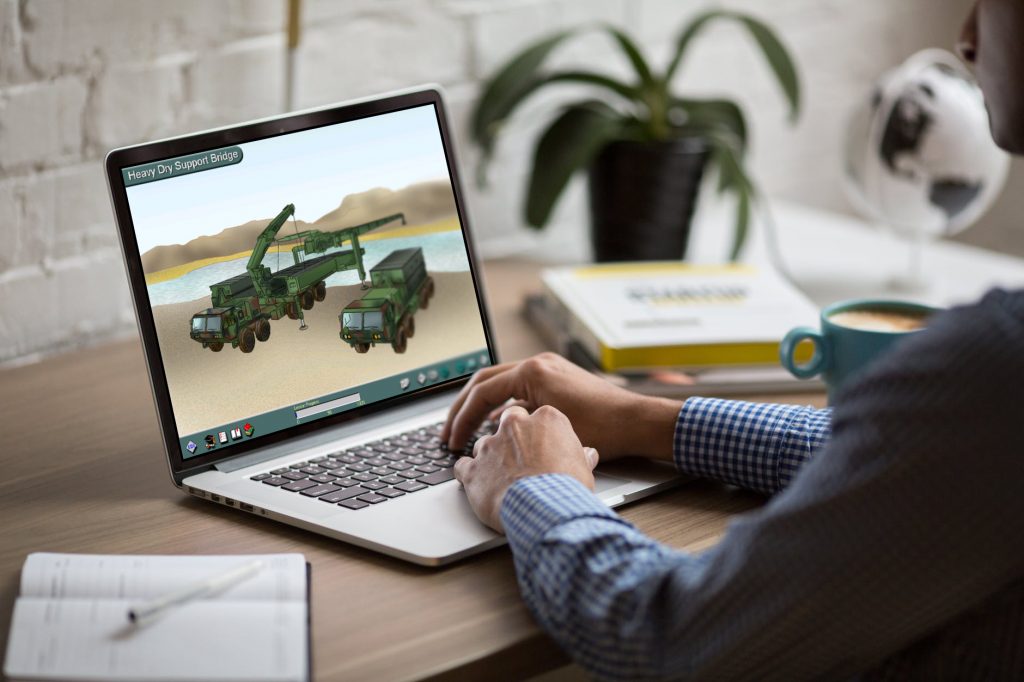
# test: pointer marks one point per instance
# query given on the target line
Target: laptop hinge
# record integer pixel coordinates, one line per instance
(329, 435)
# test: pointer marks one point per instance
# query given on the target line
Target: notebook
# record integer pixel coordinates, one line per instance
(70, 620)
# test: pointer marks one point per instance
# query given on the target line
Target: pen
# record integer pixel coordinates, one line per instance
(138, 615)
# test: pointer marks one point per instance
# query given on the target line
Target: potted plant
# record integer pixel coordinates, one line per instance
(645, 148)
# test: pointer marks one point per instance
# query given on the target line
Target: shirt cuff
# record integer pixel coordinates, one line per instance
(536, 504)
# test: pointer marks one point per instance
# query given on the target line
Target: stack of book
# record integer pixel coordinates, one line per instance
(674, 329)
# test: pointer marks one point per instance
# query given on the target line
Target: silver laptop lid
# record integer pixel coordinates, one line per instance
(296, 273)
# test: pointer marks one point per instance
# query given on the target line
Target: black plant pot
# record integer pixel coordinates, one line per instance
(642, 197)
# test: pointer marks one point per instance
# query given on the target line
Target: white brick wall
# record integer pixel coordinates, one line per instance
(77, 78)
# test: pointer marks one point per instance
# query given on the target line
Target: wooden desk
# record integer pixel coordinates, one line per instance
(83, 471)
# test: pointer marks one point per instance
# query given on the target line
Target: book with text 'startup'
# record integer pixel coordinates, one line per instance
(669, 314)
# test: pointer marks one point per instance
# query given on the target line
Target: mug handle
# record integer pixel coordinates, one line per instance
(819, 361)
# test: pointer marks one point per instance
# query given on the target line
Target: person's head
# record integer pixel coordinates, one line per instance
(992, 41)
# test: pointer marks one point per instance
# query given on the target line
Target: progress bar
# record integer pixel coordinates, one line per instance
(328, 406)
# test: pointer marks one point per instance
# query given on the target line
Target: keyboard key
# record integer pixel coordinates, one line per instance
(381, 471)
(349, 459)
(320, 490)
(317, 460)
(358, 467)
(375, 462)
(399, 466)
(339, 495)
(330, 464)
(312, 470)
(363, 477)
(435, 454)
(353, 504)
(392, 480)
(278, 472)
(296, 486)
(374, 485)
(345, 482)
(392, 457)
(297, 465)
(390, 492)
(426, 468)
(410, 452)
(362, 452)
(294, 475)
(439, 477)
(322, 478)
(259, 477)
(372, 498)
(410, 487)
(411, 474)
(275, 480)
(416, 460)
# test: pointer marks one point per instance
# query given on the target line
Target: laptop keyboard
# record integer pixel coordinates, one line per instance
(374, 472)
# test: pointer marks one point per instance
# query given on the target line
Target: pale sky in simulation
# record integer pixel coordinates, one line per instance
(313, 169)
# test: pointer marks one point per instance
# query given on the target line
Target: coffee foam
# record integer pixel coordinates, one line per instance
(876, 320)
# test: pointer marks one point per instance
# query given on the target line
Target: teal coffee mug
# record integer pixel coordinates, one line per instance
(853, 334)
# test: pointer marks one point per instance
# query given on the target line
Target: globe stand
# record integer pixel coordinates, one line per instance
(912, 281)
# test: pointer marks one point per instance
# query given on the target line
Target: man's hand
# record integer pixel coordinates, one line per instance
(524, 445)
(609, 418)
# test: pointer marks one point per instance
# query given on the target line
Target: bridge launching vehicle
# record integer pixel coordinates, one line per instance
(399, 287)
(243, 306)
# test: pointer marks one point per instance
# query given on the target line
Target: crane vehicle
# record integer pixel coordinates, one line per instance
(243, 306)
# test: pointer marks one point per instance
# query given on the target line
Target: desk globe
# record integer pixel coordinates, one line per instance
(919, 156)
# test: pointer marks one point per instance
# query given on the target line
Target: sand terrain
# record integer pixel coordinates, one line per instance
(208, 389)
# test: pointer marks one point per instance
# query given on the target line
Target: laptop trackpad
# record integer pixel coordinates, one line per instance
(604, 482)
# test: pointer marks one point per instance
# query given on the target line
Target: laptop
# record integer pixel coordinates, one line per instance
(310, 304)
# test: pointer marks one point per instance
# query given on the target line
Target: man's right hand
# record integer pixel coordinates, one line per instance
(608, 418)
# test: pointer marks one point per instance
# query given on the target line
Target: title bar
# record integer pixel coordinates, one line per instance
(181, 165)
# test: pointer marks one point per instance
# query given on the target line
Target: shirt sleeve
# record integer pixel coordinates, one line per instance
(757, 446)
(910, 516)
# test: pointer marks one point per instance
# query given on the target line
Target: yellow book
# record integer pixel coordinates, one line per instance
(669, 314)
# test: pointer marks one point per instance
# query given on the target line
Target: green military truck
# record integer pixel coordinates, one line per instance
(243, 306)
(399, 286)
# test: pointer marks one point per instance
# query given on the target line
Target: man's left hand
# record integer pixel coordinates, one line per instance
(524, 445)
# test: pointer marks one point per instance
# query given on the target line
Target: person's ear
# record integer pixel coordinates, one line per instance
(967, 45)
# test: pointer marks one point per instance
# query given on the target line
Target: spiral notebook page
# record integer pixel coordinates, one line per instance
(71, 620)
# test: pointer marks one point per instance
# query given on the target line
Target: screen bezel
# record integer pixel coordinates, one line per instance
(156, 151)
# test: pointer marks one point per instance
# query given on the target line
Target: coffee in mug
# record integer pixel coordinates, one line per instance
(853, 334)
(879, 320)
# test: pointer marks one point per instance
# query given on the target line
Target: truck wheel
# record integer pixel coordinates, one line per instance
(361, 347)
(425, 296)
(410, 327)
(216, 346)
(306, 300)
(320, 291)
(399, 343)
(291, 312)
(247, 340)
(262, 330)
(430, 287)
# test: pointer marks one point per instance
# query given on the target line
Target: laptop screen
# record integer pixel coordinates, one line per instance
(301, 275)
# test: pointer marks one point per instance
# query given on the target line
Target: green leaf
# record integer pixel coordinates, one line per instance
(634, 55)
(687, 35)
(570, 143)
(625, 91)
(506, 88)
(733, 177)
(774, 51)
(778, 59)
